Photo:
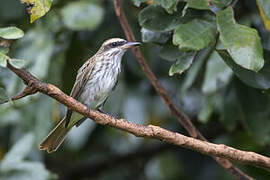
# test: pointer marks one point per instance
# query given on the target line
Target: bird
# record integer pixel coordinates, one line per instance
(95, 80)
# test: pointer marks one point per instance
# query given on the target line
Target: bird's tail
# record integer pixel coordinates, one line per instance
(55, 137)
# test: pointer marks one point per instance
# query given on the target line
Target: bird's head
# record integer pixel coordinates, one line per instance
(116, 46)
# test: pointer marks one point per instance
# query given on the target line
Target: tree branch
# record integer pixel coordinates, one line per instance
(181, 117)
(28, 90)
(234, 3)
(148, 131)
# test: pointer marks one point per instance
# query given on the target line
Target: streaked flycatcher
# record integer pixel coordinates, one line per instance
(94, 82)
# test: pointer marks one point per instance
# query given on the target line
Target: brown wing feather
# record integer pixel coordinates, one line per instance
(83, 74)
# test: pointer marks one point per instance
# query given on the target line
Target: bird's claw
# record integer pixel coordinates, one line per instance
(112, 116)
(88, 107)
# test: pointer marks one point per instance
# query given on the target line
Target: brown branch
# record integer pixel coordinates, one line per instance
(149, 131)
(234, 3)
(181, 117)
(28, 90)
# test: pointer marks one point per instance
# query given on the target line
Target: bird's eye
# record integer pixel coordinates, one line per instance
(114, 44)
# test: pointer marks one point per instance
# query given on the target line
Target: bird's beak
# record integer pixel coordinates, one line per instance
(130, 45)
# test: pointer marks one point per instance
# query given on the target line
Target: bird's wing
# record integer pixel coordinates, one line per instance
(83, 75)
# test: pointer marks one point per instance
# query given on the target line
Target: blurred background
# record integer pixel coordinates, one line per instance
(54, 48)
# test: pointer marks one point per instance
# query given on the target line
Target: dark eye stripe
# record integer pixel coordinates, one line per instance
(116, 44)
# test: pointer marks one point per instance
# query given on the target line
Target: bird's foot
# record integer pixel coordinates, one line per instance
(88, 107)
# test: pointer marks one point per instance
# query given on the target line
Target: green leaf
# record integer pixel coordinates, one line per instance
(82, 15)
(243, 43)
(157, 19)
(156, 37)
(259, 80)
(184, 61)
(18, 63)
(39, 8)
(264, 7)
(196, 68)
(170, 52)
(168, 5)
(208, 108)
(11, 33)
(194, 35)
(217, 74)
(198, 4)
(221, 3)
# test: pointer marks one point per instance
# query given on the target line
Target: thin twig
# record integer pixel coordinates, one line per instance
(234, 3)
(28, 90)
(149, 131)
(181, 117)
